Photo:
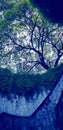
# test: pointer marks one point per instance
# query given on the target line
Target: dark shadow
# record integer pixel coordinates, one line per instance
(59, 114)
(51, 9)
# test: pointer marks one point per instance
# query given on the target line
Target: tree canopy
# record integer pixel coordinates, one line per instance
(28, 41)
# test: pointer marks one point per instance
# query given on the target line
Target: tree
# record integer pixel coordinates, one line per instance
(28, 41)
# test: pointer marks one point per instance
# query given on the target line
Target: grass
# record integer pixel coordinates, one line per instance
(27, 84)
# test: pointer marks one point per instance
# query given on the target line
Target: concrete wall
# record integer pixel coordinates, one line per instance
(43, 118)
(19, 105)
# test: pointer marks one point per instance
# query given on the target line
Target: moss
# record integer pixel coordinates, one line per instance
(51, 77)
(27, 84)
(6, 80)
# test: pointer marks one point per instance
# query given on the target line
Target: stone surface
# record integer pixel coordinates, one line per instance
(59, 113)
(20, 106)
(46, 111)
(43, 118)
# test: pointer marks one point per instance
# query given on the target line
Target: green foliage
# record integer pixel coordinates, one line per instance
(51, 77)
(11, 14)
(5, 4)
(27, 84)
(24, 84)
(3, 25)
(6, 80)
(16, 11)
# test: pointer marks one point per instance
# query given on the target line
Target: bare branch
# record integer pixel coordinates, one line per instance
(33, 67)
